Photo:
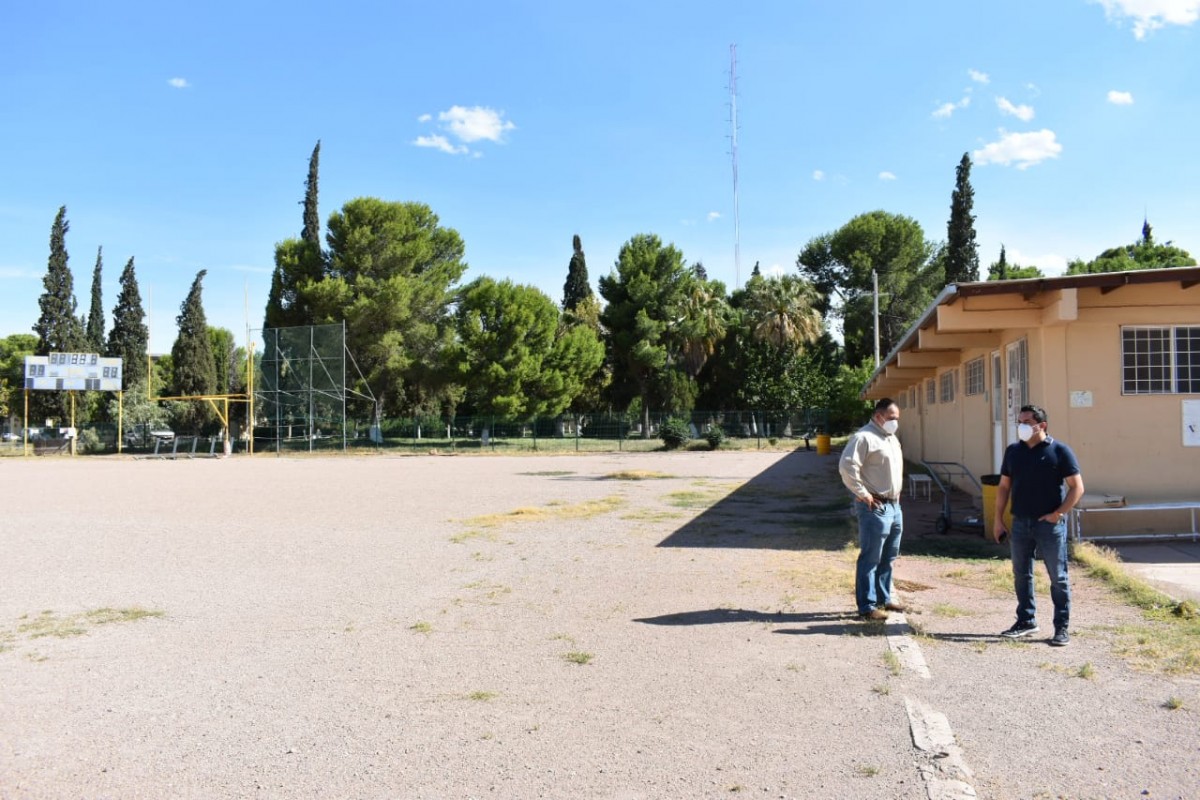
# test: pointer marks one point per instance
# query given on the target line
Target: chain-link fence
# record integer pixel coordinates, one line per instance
(565, 432)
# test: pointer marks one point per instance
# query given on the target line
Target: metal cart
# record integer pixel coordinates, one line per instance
(944, 474)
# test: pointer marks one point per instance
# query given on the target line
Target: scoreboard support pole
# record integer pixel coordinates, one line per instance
(73, 429)
(25, 433)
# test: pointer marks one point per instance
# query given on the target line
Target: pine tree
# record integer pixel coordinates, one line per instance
(962, 253)
(95, 320)
(192, 356)
(58, 329)
(576, 289)
(129, 338)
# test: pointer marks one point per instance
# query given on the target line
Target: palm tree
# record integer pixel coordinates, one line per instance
(782, 311)
(702, 325)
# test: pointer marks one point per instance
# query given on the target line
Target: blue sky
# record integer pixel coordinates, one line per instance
(179, 133)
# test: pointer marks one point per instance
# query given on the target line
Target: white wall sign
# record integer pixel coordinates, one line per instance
(1191, 423)
(1081, 399)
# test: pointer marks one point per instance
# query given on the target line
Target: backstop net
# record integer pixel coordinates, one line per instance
(300, 389)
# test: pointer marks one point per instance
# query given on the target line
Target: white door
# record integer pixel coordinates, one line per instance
(1018, 391)
(998, 407)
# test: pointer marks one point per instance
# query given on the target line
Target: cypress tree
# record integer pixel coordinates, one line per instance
(576, 289)
(962, 253)
(58, 329)
(192, 356)
(297, 260)
(312, 220)
(129, 338)
(95, 320)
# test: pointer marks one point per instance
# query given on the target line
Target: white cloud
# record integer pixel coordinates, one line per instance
(714, 215)
(978, 77)
(776, 271)
(818, 174)
(465, 125)
(946, 109)
(473, 124)
(439, 142)
(1151, 15)
(1050, 264)
(179, 83)
(251, 268)
(1022, 112)
(1023, 149)
(1120, 98)
(887, 176)
(7, 273)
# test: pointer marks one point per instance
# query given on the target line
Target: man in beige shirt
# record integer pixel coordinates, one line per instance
(872, 468)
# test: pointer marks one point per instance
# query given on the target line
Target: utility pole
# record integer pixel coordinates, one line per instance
(737, 244)
(875, 280)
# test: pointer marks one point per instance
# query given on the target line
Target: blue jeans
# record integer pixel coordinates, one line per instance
(879, 532)
(1031, 536)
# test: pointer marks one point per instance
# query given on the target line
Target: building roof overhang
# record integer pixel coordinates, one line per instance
(947, 327)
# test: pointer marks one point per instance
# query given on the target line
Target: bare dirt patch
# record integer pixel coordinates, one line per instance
(389, 627)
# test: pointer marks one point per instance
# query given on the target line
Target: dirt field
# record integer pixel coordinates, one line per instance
(515, 627)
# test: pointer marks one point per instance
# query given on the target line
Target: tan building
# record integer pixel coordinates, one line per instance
(1114, 359)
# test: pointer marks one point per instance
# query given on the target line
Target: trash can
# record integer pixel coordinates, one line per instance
(823, 443)
(990, 484)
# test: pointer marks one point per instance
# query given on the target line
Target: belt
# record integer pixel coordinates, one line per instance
(881, 499)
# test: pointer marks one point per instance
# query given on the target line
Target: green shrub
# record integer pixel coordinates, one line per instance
(88, 441)
(674, 433)
(715, 436)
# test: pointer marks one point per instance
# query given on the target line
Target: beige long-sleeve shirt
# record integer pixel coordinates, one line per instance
(872, 463)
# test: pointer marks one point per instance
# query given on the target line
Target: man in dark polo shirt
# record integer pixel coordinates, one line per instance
(1033, 472)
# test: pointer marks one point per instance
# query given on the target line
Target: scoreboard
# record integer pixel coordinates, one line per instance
(73, 371)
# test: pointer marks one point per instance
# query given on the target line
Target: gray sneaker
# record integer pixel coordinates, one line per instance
(1020, 629)
(1060, 638)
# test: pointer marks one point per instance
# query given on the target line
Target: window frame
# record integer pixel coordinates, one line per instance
(1159, 370)
(975, 374)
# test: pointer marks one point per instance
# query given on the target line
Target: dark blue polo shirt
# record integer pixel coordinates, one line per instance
(1037, 474)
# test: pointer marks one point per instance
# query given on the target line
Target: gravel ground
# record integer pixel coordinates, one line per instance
(350, 627)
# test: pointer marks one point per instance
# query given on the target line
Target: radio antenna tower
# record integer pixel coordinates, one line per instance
(737, 233)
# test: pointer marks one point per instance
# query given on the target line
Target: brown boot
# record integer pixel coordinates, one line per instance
(874, 615)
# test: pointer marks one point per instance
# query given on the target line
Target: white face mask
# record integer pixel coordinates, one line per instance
(1024, 432)
(891, 426)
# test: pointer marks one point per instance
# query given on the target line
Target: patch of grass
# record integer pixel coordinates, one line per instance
(482, 696)
(472, 533)
(891, 661)
(948, 610)
(882, 689)
(584, 510)
(691, 499)
(548, 473)
(48, 624)
(563, 637)
(1169, 639)
(421, 627)
(1173, 703)
(651, 515)
(867, 770)
(1087, 671)
(636, 475)
(817, 578)
(105, 616)
(578, 657)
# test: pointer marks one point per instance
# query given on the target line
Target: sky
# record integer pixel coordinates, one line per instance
(179, 133)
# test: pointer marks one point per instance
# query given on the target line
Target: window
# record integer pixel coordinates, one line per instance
(1162, 360)
(974, 371)
(947, 380)
(930, 392)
